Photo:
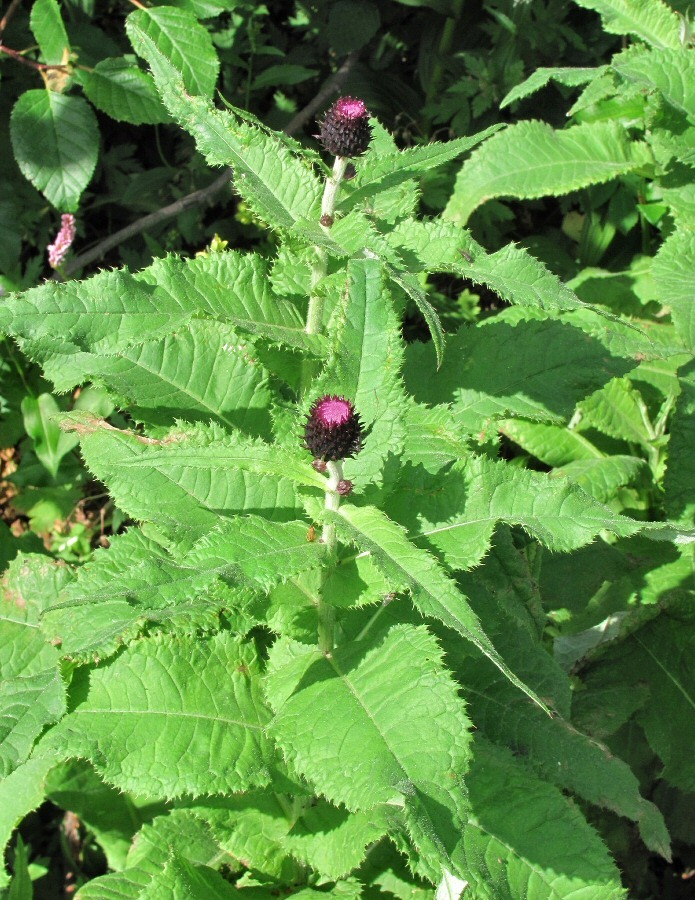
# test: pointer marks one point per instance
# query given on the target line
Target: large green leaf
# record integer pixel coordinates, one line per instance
(48, 29)
(182, 40)
(410, 568)
(180, 832)
(280, 188)
(180, 880)
(21, 793)
(55, 138)
(204, 372)
(510, 272)
(524, 839)
(668, 71)
(504, 592)
(601, 478)
(382, 172)
(680, 471)
(364, 365)
(254, 549)
(531, 159)
(572, 77)
(364, 754)
(660, 653)
(133, 586)
(120, 88)
(459, 521)
(113, 312)
(171, 716)
(538, 369)
(674, 269)
(33, 694)
(190, 479)
(652, 20)
(619, 411)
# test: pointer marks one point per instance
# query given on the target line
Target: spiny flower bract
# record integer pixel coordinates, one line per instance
(333, 429)
(345, 130)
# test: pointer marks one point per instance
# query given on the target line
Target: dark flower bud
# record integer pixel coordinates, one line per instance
(345, 131)
(319, 465)
(344, 487)
(326, 220)
(333, 429)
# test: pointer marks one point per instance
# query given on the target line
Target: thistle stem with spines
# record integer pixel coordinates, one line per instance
(314, 319)
(326, 612)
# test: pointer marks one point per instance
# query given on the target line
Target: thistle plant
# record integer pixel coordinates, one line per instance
(344, 645)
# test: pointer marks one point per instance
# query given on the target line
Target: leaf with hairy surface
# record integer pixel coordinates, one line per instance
(171, 716)
(531, 159)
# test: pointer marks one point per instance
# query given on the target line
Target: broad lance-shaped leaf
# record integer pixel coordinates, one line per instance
(413, 569)
(279, 187)
(536, 369)
(55, 138)
(434, 437)
(20, 793)
(115, 311)
(502, 590)
(662, 652)
(531, 159)
(176, 831)
(652, 20)
(33, 692)
(364, 365)
(190, 479)
(572, 77)
(183, 40)
(602, 477)
(680, 471)
(668, 71)
(480, 492)
(29, 703)
(252, 826)
(202, 373)
(511, 272)
(397, 733)
(253, 549)
(180, 879)
(523, 838)
(255, 827)
(47, 26)
(554, 445)
(382, 172)
(133, 585)
(171, 715)
(619, 411)
(673, 270)
(411, 286)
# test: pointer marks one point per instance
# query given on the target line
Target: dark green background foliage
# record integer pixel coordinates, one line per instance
(473, 675)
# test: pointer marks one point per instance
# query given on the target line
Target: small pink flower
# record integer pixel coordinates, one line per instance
(59, 249)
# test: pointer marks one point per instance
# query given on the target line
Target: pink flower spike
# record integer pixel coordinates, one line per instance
(58, 250)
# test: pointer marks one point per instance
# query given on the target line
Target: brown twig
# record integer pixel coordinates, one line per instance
(206, 195)
(4, 22)
(197, 198)
(39, 67)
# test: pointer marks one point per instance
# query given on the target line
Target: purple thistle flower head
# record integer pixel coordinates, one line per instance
(345, 131)
(57, 251)
(333, 429)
